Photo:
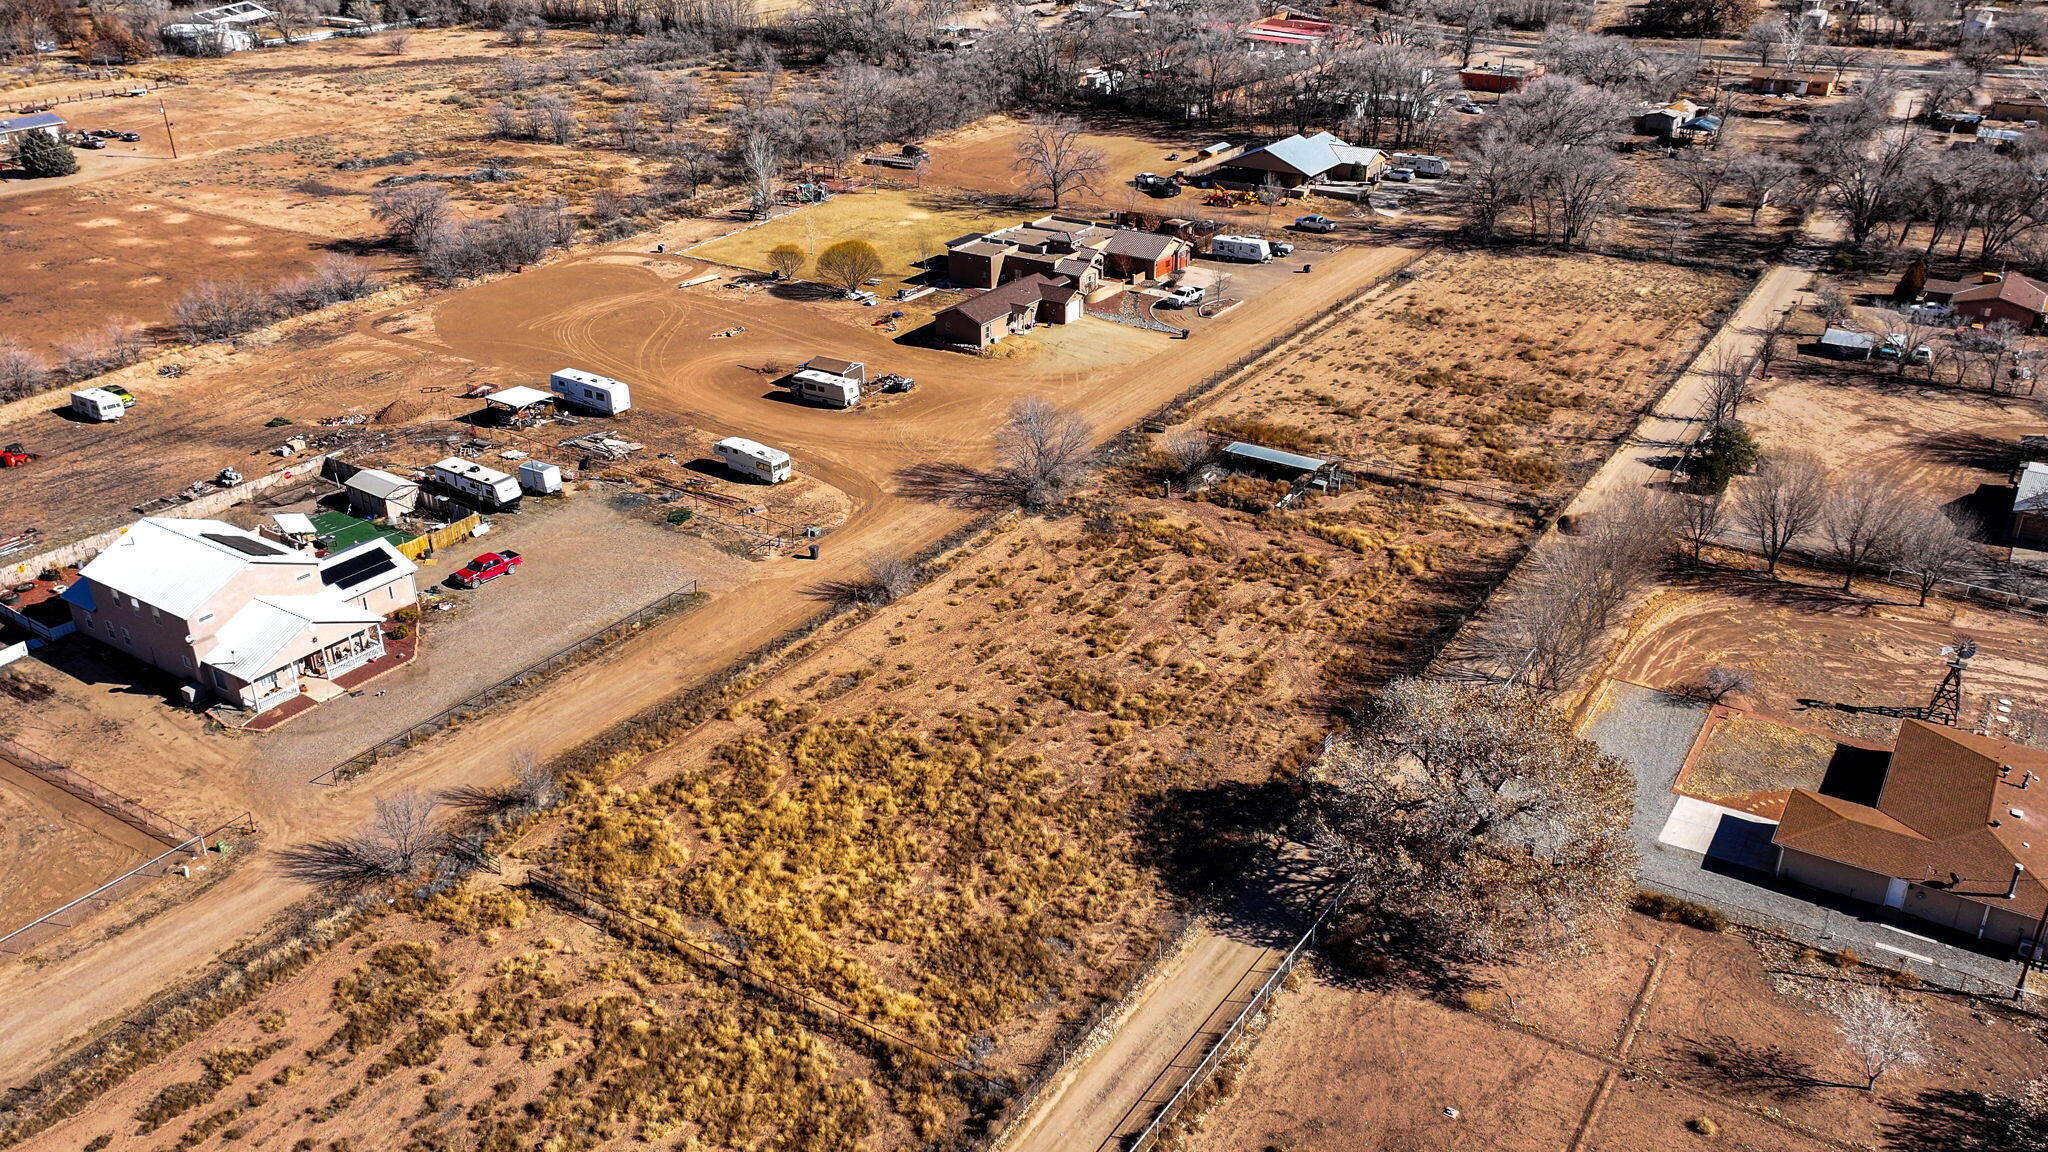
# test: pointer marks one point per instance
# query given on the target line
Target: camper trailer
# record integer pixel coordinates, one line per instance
(1420, 164)
(588, 390)
(768, 465)
(485, 486)
(540, 478)
(97, 405)
(825, 388)
(1250, 248)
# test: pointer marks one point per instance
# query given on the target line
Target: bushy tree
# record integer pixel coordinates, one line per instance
(849, 264)
(787, 261)
(22, 371)
(1472, 825)
(1727, 452)
(1697, 17)
(42, 155)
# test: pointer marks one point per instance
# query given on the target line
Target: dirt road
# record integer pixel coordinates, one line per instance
(1089, 1101)
(498, 324)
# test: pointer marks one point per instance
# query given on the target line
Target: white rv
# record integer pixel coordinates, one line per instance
(487, 486)
(826, 388)
(97, 405)
(1421, 164)
(1252, 248)
(590, 391)
(539, 478)
(769, 465)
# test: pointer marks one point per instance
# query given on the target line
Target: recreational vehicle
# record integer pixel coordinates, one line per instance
(768, 465)
(825, 388)
(97, 405)
(1251, 248)
(486, 486)
(592, 392)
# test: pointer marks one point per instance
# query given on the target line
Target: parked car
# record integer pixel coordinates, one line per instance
(89, 143)
(102, 133)
(130, 137)
(487, 567)
(1894, 346)
(126, 397)
(1921, 354)
(1185, 296)
(1929, 310)
(1400, 175)
(1154, 184)
(1282, 248)
(1316, 224)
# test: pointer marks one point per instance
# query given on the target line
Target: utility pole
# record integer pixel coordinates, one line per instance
(168, 135)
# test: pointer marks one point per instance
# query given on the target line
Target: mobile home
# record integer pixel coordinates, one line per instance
(540, 478)
(97, 405)
(768, 465)
(825, 388)
(588, 390)
(1421, 164)
(486, 486)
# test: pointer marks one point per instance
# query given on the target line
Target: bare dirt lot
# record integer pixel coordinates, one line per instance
(1809, 649)
(1628, 1047)
(55, 847)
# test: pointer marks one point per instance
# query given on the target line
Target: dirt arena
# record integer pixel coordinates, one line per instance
(55, 847)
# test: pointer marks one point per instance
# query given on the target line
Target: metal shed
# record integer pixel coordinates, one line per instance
(1266, 459)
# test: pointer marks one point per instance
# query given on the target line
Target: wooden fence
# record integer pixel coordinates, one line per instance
(439, 538)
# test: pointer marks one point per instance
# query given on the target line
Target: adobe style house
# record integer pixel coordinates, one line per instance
(1300, 160)
(241, 616)
(1014, 307)
(2018, 300)
(1290, 33)
(1958, 835)
(1499, 77)
(1080, 251)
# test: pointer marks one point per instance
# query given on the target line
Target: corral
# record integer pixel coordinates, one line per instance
(1660, 1036)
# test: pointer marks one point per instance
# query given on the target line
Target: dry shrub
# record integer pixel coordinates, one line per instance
(475, 910)
(398, 982)
(1703, 1125)
(1269, 433)
(618, 838)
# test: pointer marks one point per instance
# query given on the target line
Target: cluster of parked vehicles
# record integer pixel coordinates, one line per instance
(93, 139)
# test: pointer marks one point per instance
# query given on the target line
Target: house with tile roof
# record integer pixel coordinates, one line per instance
(2018, 300)
(1957, 835)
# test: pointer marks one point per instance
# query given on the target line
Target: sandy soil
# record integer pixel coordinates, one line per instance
(949, 415)
(55, 848)
(1810, 648)
(1600, 1051)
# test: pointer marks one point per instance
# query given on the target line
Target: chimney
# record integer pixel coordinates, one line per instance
(2013, 889)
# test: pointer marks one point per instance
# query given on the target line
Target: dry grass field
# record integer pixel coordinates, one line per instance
(1511, 369)
(907, 226)
(1659, 1037)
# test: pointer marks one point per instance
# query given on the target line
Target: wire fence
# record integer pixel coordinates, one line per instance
(480, 701)
(66, 915)
(143, 819)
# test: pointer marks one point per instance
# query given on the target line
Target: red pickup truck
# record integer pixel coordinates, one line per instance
(488, 567)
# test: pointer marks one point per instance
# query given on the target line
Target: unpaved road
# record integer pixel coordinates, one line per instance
(71, 997)
(1087, 1104)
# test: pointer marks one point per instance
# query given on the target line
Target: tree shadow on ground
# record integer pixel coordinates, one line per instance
(1735, 1065)
(1761, 588)
(1227, 849)
(1969, 449)
(1951, 1120)
(958, 486)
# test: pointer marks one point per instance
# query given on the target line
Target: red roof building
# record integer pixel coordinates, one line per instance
(1958, 835)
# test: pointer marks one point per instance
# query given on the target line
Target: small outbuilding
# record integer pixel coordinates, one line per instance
(1272, 461)
(832, 366)
(2028, 527)
(1843, 344)
(378, 495)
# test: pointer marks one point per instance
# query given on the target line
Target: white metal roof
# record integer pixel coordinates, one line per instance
(379, 483)
(294, 523)
(519, 397)
(177, 565)
(2031, 494)
(1317, 154)
(590, 378)
(271, 631)
(755, 449)
(471, 469)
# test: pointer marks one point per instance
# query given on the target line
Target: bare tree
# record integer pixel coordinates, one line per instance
(1703, 170)
(761, 156)
(1727, 374)
(1760, 178)
(1699, 521)
(1782, 503)
(1188, 451)
(403, 840)
(1879, 1030)
(1720, 682)
(1861, 524)
(1054, 159)
(1045, 451)
(786, 261)
(115, 344)
(219, 309)
(1771, 343)
(884, 582)
(22, 372)
(1932, 548)
(1472, 824)
(412, 212)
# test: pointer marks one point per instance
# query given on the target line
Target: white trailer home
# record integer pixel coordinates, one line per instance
(1252, 248)
(540, 478)
(97, 405)
(486, 486)
(588, 390)
(1422, 164)
(768, 465)
(826, 388)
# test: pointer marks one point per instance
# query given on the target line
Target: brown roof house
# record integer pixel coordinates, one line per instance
(1992, 296)
(1080, 250)
(1958, 835)
(1019, 305)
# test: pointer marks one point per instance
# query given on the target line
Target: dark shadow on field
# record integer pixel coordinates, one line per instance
(1855, 774)
(97, 666)
(1951, 1120)
(958, 486)
(1966, 448)
(1730, 1064)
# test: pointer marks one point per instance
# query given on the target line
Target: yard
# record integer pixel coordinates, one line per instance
(906, 225)
(1658, 1036)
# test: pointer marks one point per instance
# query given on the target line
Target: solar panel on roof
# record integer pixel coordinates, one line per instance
(354, 570)
(246, 545)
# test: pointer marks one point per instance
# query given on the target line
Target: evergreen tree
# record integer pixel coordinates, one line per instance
(41, 154)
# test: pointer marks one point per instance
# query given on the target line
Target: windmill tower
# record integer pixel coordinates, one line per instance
(1947, 705)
